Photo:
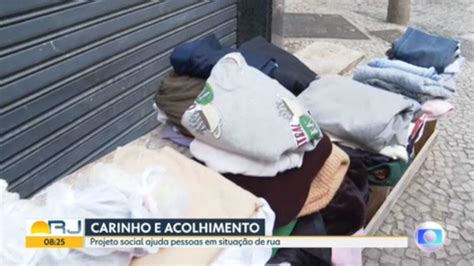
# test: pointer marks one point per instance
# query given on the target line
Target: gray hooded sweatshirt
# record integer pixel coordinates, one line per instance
(241, 110)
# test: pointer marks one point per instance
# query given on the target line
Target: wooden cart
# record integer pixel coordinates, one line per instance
(422, 148)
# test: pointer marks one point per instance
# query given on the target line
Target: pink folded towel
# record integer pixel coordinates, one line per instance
(434, 109)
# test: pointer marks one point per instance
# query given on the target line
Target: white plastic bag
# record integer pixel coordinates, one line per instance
(250, 255)
(99, 201)
(62, 202)
(153, 194)
(13, 215)
(109, 193)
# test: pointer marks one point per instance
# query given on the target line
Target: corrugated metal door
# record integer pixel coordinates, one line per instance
(77, 78)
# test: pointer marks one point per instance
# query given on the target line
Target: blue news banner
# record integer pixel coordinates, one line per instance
(147, 233)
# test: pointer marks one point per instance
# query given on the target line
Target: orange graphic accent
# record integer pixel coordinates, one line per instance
(40, 227)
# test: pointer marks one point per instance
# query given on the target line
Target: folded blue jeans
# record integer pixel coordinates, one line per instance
(425, 50)
(410, 85)
(407, 67)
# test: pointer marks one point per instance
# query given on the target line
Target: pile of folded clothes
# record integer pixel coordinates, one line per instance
(423, 68)
(309, 145)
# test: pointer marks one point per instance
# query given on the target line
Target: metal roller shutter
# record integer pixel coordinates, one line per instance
(77, 78)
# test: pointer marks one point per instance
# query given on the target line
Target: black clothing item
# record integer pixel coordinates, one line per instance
(291, 72)
(347, 211)
(309, 225)
(197, 58)
(367, 157)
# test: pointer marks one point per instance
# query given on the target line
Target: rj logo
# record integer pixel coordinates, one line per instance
(56, 227)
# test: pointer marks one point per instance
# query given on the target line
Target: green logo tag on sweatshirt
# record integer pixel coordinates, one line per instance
(310, 127)
(206, 96)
